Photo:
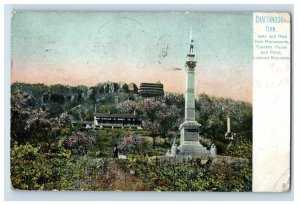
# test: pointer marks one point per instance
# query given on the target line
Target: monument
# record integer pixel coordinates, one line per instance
(228, 135)
(189, 129)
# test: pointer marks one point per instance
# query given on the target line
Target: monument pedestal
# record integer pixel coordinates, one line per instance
(189, 140)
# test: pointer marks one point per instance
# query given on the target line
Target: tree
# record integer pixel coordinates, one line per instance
(213, 114)
(46, 130)
(159, 117)
(129, 106)
(21, 102)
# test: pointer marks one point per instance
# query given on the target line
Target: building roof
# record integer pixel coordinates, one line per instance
(152, 85)
(115, 115)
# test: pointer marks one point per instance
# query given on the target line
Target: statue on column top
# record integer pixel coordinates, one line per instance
(191, 42)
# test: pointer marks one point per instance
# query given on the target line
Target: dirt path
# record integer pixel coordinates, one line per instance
(123, 181)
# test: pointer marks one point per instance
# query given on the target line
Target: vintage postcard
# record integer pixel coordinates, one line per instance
(150, 101)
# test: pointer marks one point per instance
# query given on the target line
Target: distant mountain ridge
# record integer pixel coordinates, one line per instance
(68, 94)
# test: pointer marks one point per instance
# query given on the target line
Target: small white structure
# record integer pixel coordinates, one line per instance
(174, 149)
(83, 124)
(132, 172)
(95, 122)
(213, 150)
(121, 156)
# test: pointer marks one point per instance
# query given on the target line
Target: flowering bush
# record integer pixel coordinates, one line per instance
(133, 144)
(79, 142)
(128, 106)
(159, 117)
(44, 129)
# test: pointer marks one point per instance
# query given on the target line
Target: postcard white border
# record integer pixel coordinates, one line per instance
(271, 102)
(86, 196)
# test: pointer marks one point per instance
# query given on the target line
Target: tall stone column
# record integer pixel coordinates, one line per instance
(189, 129)
(228, 134)
(228, 124)
(190, 91)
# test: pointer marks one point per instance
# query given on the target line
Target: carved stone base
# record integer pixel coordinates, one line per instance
(189, 140)
(193, 149)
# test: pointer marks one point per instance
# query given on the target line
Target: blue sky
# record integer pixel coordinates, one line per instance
(90, 47)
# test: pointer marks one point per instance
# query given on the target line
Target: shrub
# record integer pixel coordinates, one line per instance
(31, 170)
(79, 142)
